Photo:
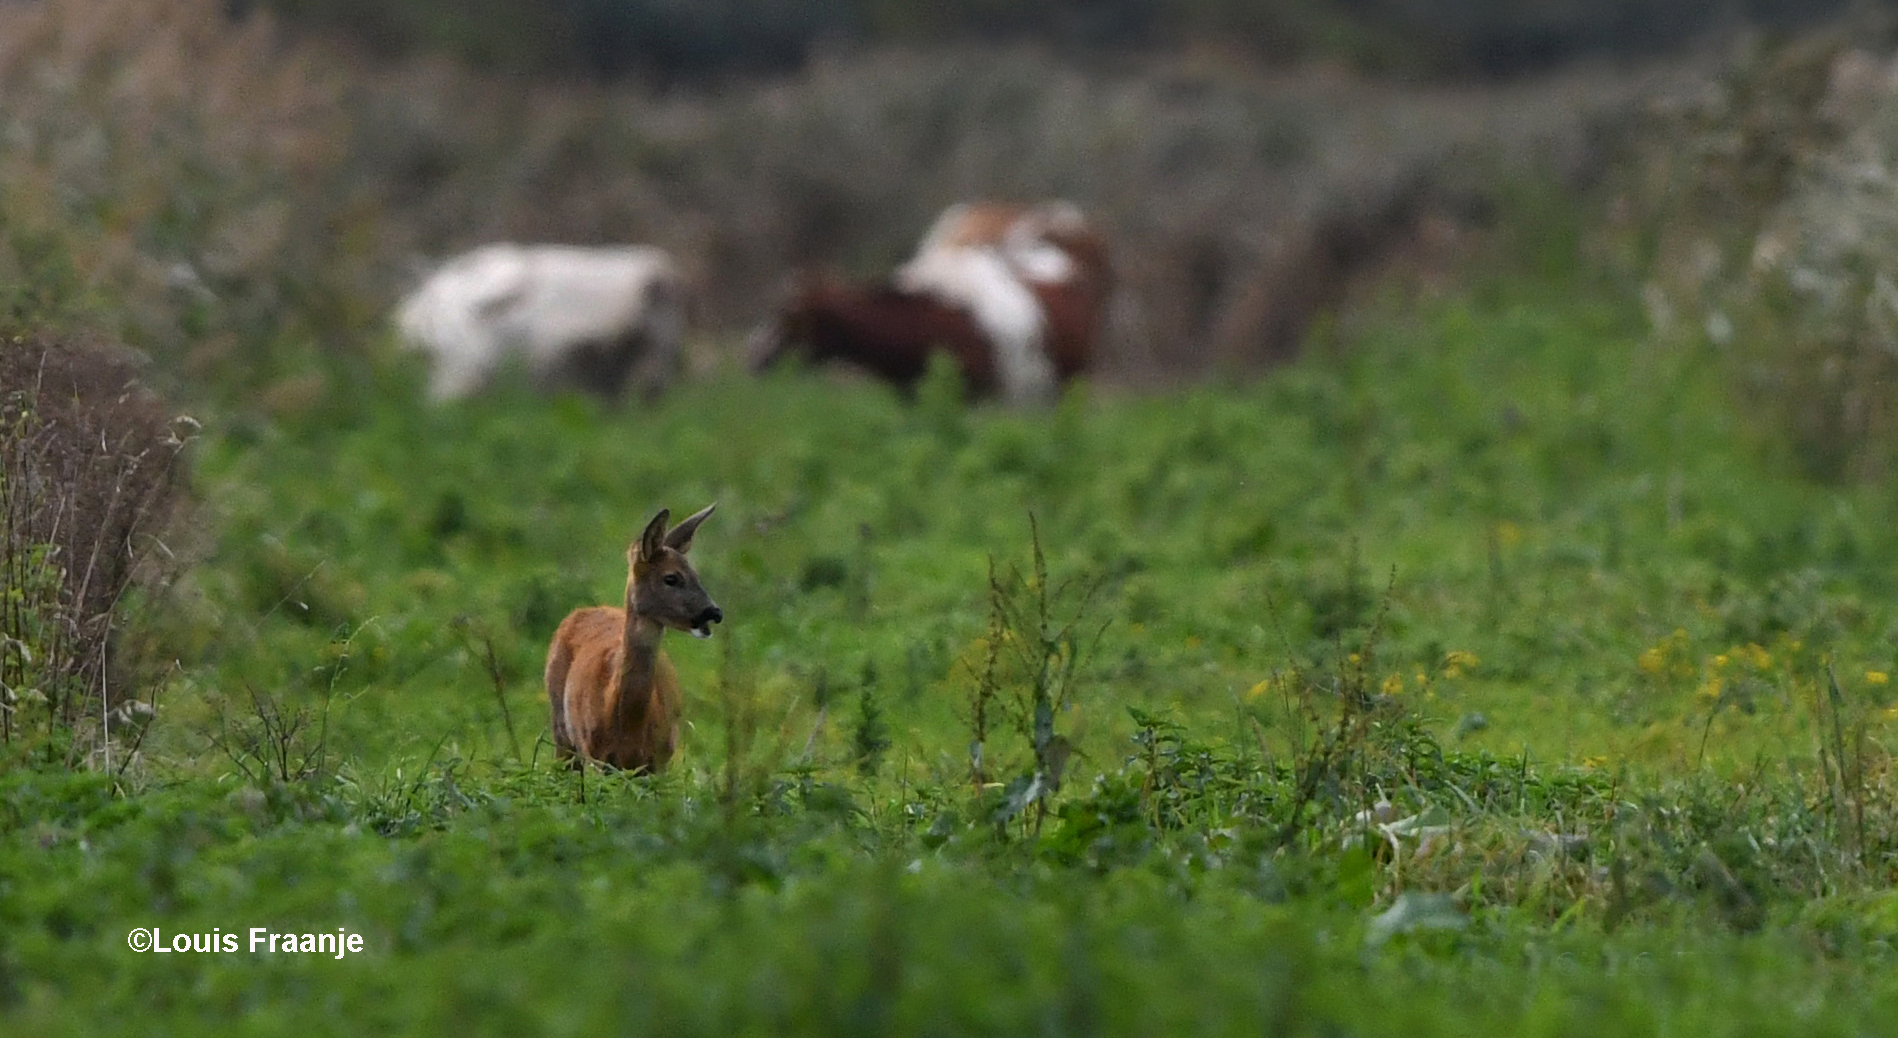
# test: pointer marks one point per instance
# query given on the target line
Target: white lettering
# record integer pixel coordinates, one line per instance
(338, 944)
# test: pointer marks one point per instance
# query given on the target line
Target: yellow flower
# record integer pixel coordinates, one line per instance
(1394, 685)
(1720, 662)
(1711, 690)
(1652, 661)
(1259, 689)
(1594, 762)
(1760, 658)
(1891, 713)
(1877, 677)
(1456, 661)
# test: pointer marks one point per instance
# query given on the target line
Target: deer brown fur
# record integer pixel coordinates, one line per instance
(613, 693)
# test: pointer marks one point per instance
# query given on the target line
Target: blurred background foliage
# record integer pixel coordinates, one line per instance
(242, 190)
(680, 40)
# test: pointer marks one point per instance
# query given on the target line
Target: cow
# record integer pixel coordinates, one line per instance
(885, 330)
(1045, 243)
(1015, 294)
(594, 319)
(1049, 251)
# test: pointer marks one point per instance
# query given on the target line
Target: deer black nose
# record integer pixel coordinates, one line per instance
(711, 615)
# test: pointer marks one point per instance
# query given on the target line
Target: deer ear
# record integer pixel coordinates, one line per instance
(652, 538)
(680, 539)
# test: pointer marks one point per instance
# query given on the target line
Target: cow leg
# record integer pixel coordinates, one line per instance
(456, 375)
(656, 365)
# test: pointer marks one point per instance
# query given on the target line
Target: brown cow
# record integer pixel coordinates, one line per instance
(885, 330)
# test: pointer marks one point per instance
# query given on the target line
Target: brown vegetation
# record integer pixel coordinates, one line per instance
(89, 478)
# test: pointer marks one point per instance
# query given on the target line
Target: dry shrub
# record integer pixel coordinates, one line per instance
(89, 479)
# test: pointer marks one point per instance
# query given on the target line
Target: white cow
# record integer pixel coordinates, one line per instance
(590, 318)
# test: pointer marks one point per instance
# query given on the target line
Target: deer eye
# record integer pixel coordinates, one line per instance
(674, 580)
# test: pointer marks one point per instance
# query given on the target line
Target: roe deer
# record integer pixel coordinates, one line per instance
(613, 693)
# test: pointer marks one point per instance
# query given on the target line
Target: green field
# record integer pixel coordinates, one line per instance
(1498, 560)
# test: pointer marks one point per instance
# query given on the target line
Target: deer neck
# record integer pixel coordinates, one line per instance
(639, 658)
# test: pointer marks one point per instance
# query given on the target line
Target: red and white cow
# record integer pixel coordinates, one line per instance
(1017, 295)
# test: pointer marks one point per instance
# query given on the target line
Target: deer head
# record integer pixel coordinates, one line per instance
(661, 585)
